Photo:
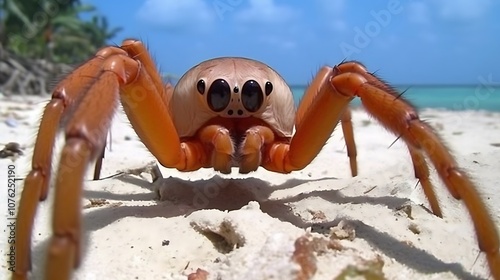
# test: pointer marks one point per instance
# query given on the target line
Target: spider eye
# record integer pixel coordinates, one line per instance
(252, 96)
(200, 86)
(219, 95)
(269, 88)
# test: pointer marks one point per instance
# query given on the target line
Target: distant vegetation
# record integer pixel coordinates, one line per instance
(54, 30)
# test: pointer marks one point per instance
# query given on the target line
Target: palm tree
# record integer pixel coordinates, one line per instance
(13, 16)
(65, 37)
(47, 29)
(99, 32)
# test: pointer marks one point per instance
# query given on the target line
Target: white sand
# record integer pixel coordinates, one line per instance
(268, 212)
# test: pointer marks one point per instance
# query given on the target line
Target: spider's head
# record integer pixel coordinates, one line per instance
(232, 87)
(235, 87)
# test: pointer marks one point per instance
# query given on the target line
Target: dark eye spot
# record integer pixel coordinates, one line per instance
(269, 88)
(219, 95)
(252, 96)
(201, 87)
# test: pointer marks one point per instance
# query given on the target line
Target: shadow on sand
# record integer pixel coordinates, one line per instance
(181, 197)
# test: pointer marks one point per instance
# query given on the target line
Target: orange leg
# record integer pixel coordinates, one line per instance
(218, 139)
(36, 185)
(336, 88)
(310, 97)
(85, 102)
(321, 109)
(418, 159)
(255, 140)
(85, 137)
(346, 124)
(422, 174)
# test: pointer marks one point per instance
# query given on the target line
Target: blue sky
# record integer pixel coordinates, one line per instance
(405, 41)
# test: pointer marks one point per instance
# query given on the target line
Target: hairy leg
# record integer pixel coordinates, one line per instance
(348, 81)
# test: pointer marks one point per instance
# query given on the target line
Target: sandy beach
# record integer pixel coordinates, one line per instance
(245, 227)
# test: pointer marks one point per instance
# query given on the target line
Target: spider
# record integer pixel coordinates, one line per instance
(223, 113)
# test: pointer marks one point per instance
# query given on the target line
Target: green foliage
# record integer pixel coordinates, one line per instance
(53, 29)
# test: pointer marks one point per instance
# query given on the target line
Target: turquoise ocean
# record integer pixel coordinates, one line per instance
(473, 97)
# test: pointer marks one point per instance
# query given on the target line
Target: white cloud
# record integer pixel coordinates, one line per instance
(388, 42)
(333, 7)
(419, 13)
(463, 10)
(428, 37)
(333, 10)
(177, 14)
(266, 11)
(424, 12)
(282, 43)
(338, 25)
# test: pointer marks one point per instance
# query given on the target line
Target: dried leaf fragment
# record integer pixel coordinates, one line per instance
(305, 258)
(367, 269)
(200, 274)
(96, 202)
(343, 231)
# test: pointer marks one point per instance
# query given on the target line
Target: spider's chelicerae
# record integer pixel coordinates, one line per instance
(223, 113)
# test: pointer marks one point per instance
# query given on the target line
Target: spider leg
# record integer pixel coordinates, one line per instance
(348, 132)
(145, 102)
(84, 104)
(85, 136)
(217, 140)
(420, 166)
(218, 137)
(400, 118)
(306, 103)
(256, 138)
(422, 174)
(318, 114)
(65, 97)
